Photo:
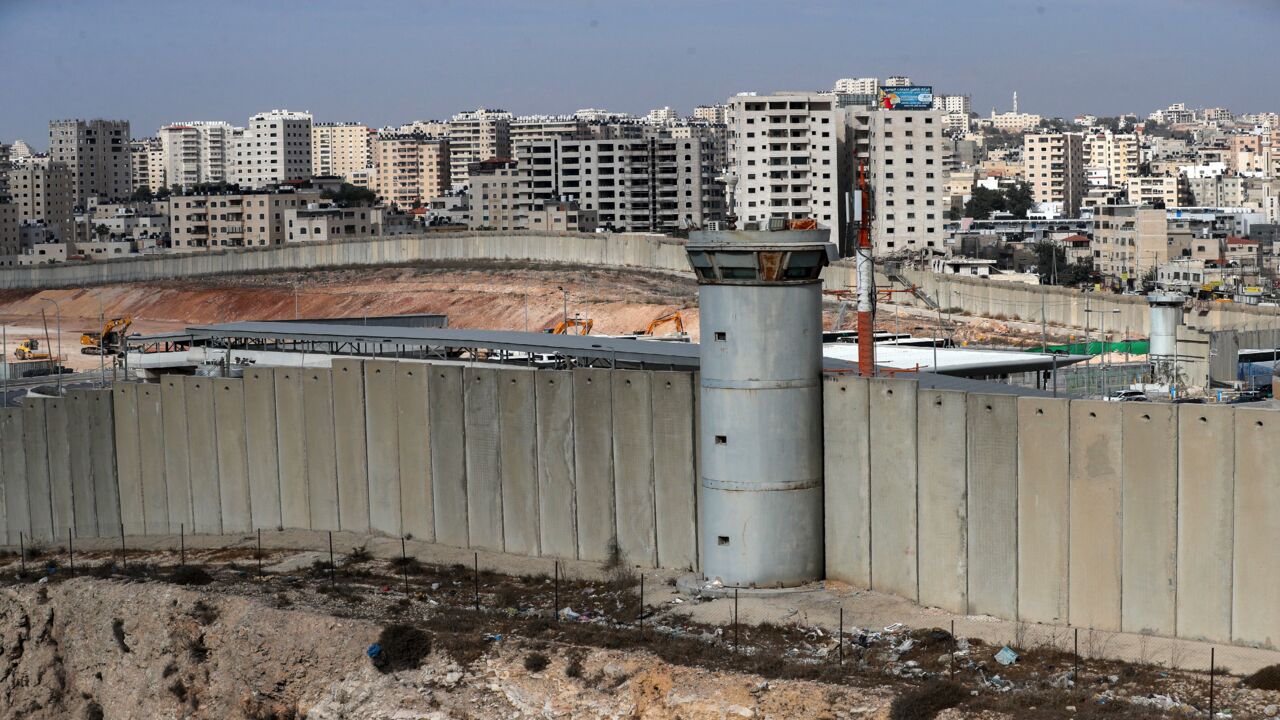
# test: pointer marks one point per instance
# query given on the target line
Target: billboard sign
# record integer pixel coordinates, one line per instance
(910, 97)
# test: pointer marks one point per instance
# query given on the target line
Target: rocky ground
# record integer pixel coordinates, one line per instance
(391, 638)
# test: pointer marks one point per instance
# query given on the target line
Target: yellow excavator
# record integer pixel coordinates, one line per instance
(109, 340)
(29, 349)
(673, 318)
(573, 326)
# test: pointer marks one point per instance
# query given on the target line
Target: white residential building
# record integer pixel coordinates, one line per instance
(857, 86)
(1111, 158)
(340, 149)
(474, 137)
(275, 148)
(146, 163)
(662, 116)
(713, 114)
(196, 152)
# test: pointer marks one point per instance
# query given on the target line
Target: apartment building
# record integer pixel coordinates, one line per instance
(474, 137)
(410, 169)
(197, 152)
(499, 196)
(789, 156)
(792, 158)
(146, 164)
(1110, 158)
(320, 222)
(204, 221)
(857, 86)
(908, 176)
(713, 114)
(274, 148)
(961, 104)
(1128, 241)
(653, 184)
(44, 191)
(97, 154)
(536, 128)
(10, 233)
(1160, 191)
(1013, 121)
(340, 149)
(561, 216)
(1054, 169)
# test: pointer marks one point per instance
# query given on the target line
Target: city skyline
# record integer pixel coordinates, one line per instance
(402, 61)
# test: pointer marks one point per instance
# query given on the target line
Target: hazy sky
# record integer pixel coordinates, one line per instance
(392, 61)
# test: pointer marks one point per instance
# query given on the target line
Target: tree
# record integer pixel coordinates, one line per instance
(983, 202)
(142, 194)
(349, 194)
(1018, 200)
(102, 231)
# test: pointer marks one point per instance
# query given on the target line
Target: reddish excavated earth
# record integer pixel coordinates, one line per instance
(494, 297)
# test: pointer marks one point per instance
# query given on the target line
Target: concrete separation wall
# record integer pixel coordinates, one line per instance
(1136, 517)
(640, 252)
(487, 457)
(1139, 517)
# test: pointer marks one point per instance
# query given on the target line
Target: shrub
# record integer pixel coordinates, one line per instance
(190, 575)
(1268, 678)
(403, 648)
(925, 702)
(536, 662)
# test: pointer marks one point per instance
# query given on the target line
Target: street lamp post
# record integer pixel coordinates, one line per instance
(58, 359)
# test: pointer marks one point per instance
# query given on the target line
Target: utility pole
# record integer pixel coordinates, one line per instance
(1044, 325)
(866, 279)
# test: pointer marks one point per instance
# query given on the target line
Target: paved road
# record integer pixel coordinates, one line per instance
(13, 391)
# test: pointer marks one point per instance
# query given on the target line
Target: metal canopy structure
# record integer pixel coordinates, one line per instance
(515, 347)
(446, 343)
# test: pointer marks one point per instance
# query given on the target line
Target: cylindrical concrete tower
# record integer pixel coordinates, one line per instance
(1166, 316)
(760, 304)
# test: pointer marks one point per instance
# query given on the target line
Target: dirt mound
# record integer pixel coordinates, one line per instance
(494, 297)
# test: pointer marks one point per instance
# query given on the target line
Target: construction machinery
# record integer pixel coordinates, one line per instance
(29, 349)
(573, 326)
(674, 318)
(109, 340)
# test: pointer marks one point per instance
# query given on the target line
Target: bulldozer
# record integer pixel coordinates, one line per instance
(673, 318)
(567, 327)
(29, 349)
(107, 341)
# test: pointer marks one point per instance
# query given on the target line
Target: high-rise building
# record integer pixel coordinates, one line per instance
(897, 81)
(97, 154)
(953, 103)
(201, 221)
(340, 149)
(475, 136)
(1054, 168)
(1110, 158)
(907, 171)
(1128, 242)
(274, 148)
(499, 195)
(10, 233)
(44, 191)
(411, 169)
(536, 128)
(787, 152)
(662, 116)
(197, 152)
(792, 158)
(713, 114)
(857, 86)
(648, 184)
(146, 163)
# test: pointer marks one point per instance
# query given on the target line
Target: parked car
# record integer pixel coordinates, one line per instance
(1127, 396)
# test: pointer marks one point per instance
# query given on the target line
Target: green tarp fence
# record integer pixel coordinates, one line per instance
(1133, 347)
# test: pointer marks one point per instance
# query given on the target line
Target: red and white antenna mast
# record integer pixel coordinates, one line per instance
(866, 278)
